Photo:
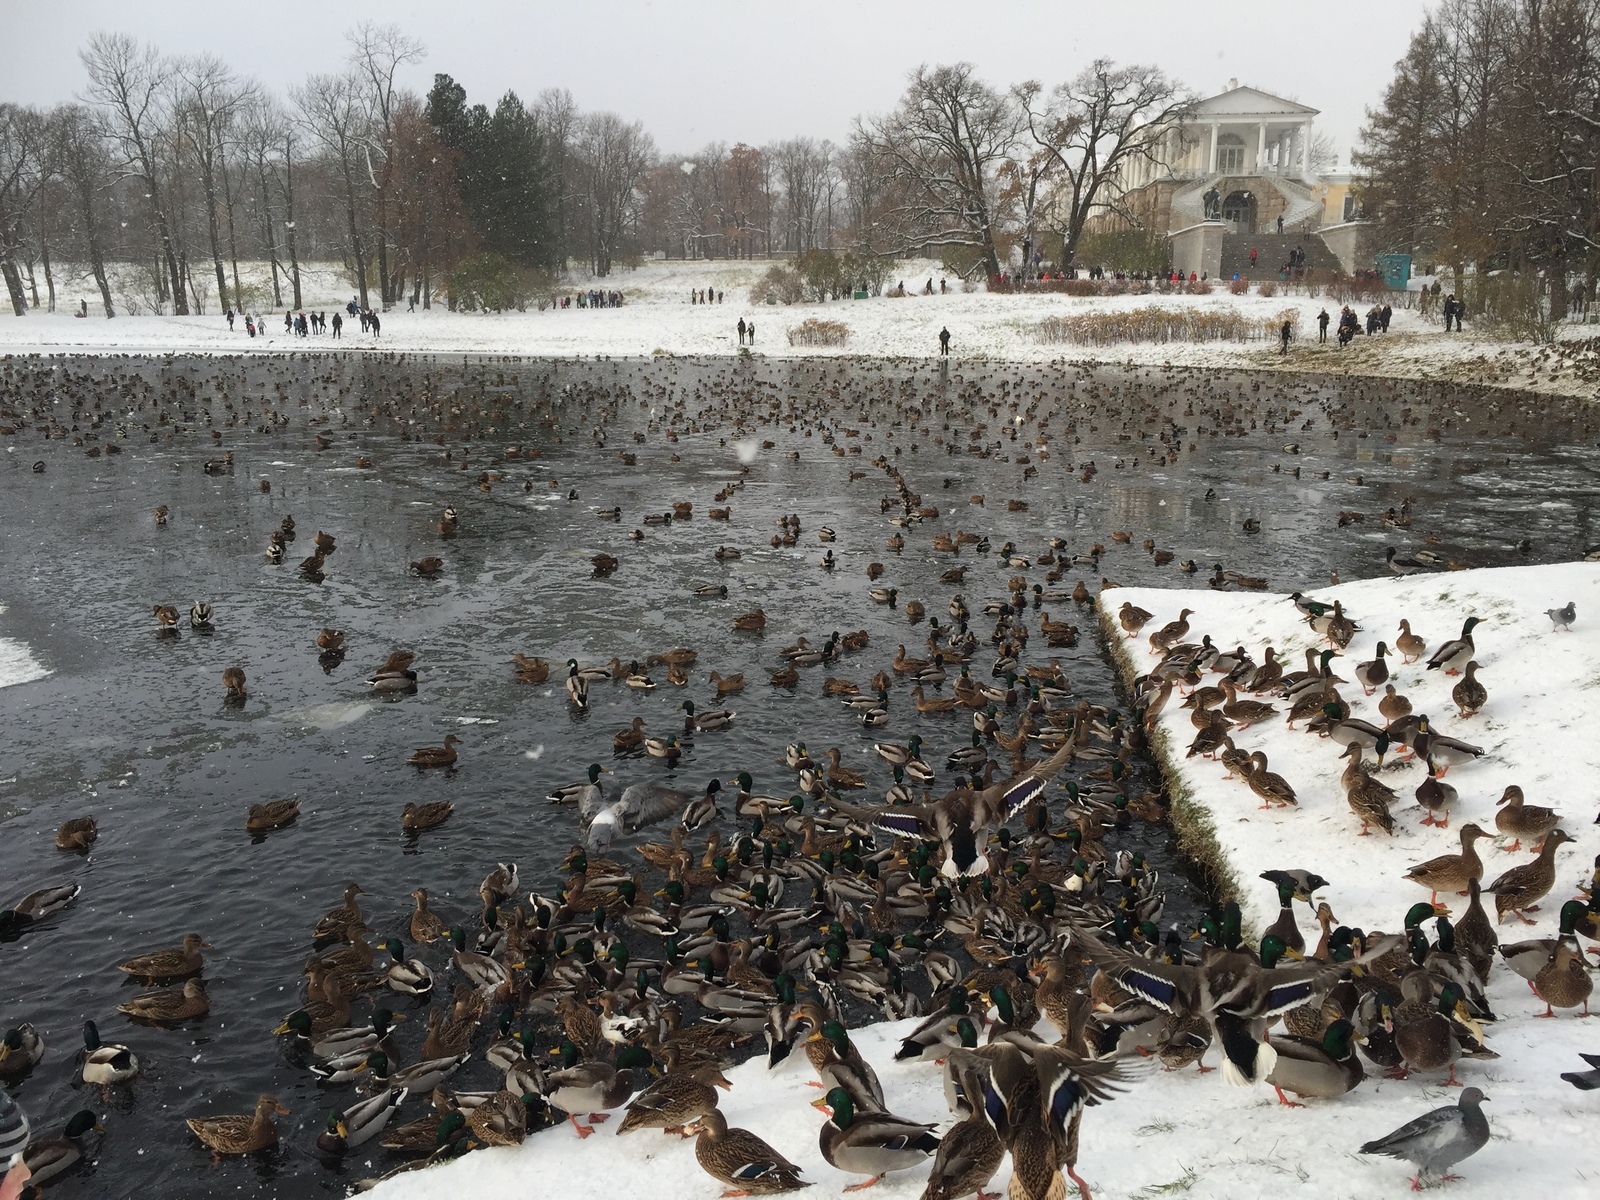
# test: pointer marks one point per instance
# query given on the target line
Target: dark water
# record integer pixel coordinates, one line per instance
(131, 726)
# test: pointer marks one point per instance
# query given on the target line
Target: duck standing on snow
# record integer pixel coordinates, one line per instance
(1458, 652)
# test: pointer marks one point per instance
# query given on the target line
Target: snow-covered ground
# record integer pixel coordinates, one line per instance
(17, 663)
(1185, 1133)
(658, 318)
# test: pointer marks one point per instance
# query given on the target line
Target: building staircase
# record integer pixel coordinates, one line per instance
(1272, 253)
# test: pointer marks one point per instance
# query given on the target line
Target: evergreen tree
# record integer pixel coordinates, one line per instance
(504, 174)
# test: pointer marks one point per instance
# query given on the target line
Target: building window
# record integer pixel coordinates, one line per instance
(1230, 154)
(1349, 208)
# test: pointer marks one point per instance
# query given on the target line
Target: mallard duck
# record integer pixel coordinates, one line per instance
(871, 1143)
(588, 795)
(171, 963)
(1450, 872)
(233, 683)
(165, 1005)
(20, 1052)
(336, 923)
(1528, 958)
(1409, 644)
(408, 976)
(1435, 797)
(752, 621)
(359, 1123)
(675, 1099)
(971, 1152)
(1322, 1068)
(271, 814)
(1455, 654)
(594, 1087)
(1368, 798)
(395, 675)
(1171, 633)
(1520, 889)
(506, 1117)
(435, 756)
(336, 1043)
(530, 670)
(1474, 935)
(240, 1134)
(415, 818)
(1271, 787)
(1244, 712)
(1469, 694)
(1425, 1032)
(577, 686)
(77, 834)
(1393, 706)
(1373, 674)
(626, 741)
(707, 721)
(51, 1157)
(1517, 820)
(1564, 981)
(426, 926)
(104, 1064)
(1132, 618)
(741, 1160)
(419, 1077)
(166, 617)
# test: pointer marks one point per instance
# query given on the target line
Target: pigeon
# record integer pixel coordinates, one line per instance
(1438, 1140)
(1303, 882)
(1587, 1081)
(1562, 618)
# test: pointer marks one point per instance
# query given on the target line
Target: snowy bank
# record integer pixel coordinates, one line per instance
(17, 663)
(657, 318)
(1183, 1132)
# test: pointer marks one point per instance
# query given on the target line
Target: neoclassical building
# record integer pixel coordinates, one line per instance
(1221, 182)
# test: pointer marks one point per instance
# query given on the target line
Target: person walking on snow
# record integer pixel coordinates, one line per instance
(944, 342)
(1286, 333)
(1322, 326)
(338, 324)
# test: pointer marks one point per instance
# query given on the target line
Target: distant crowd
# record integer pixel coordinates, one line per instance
(304, 324)
(589, 299)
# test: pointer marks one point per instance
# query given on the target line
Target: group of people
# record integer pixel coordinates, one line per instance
(589, 299)
(1377, 321)
(304, 324)
(705, 296)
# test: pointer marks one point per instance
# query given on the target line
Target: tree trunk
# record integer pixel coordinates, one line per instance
(19, 300)
(180, 301)
(266, 225)
(288, 215)
(49, 277)
(233, 242)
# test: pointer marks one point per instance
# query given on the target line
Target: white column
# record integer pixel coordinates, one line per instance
(1211, 157)
(1305, 150)
(1261, 148)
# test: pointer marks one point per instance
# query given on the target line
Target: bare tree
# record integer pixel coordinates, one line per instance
(209, 99)
(23, 172)
(804, 167)
(1091, 127)
(558, 121)
(377, 53)
(84, 163)
(614, 156)
(333, 112)
(128, 82)
(943, 144)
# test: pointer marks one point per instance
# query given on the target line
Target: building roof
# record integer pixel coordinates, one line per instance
(1252, 102)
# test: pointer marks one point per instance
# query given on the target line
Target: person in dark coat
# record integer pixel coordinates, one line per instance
(944, 341)
(372, 320)
(338, 324)
(1285, 333)
(1322, 326)
(1385, 315)
(741, 331)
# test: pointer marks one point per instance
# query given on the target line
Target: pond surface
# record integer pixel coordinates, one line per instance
(131, 726)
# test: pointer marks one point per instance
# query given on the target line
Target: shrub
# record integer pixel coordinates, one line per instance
(1238, 287)
(1153, 324)
(812, 332)
(1200, 287)
(1267, 287)
(489, 283)
(782, 284)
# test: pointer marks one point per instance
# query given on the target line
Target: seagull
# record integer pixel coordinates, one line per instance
(1562, 618)
(1438, 1140)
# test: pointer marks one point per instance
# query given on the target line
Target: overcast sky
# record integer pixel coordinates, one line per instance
(696, 71)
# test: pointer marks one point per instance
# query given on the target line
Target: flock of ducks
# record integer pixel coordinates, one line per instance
(978, 895)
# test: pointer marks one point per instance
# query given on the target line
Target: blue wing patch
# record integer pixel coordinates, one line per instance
(1159, 991)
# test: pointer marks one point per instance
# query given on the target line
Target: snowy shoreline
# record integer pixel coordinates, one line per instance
(1185, 1132)
(657, 319)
